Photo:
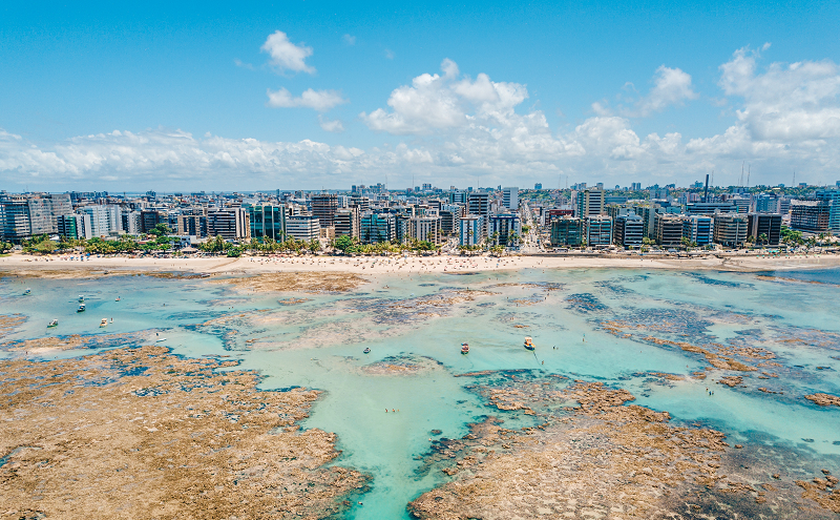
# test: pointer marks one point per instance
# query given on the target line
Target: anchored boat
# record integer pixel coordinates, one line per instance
(27, 292)
(81, 298)
(81, 308)
(53, 323)
(529, 343)
(366, 350)
(103, 323)
(465, 348)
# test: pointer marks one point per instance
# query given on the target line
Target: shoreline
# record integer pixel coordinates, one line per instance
(58, 267)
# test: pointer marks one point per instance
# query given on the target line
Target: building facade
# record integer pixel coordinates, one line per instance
(731, 229)
(566, 231)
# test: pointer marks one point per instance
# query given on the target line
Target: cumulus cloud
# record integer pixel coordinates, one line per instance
(349, 40)
(320, 100)
(285, 55)
(787, 101)
(671, 87)
(335, 126)
(460, 126)
(443, 101)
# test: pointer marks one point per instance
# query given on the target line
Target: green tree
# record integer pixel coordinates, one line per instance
(314, 245)
(5, 247)
(161, 229)
(343, 243)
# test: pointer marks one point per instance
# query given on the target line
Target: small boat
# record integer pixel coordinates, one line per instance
(81, 308)
(159, 340)
(529, 343)
(366, 350)
(27, 292)
(53, 323)
(103, 323)
(465, 348)
(81, 298)
(117, 299)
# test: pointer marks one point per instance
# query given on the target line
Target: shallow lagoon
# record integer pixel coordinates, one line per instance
(415, 324)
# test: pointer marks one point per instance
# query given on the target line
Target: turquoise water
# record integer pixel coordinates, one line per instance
(318, 343)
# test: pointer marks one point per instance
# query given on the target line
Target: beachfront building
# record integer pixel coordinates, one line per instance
(566, 231)
(378, 227)
(669, 229)
(187, 225)
(104, 220)
(599, 230)
(699, 229)
(347, 222)
(505, 229)
(228, 223)
(761, 225)
(267, 221)
(832, 197)
(471, 230)
(303, 227)
(812, 216)
(449, 216)
(731, 229)
(628, 230)
(131, 222)
(74, 227)
(424, 228)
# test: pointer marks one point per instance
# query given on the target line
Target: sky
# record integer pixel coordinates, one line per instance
(182, 96)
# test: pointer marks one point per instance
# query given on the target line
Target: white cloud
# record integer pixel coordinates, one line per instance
(435, 102)
(320, 100)
(460, 127)
(349, 40)
(335, 126)
(285, 55)
(794, 101)
(389, 54)
(671, 87)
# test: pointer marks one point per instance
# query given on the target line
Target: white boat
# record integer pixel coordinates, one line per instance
(103, 323)
(81, 298)
(81, 308)
(465, 348)
(27, 292)
(53, 323)
(159, 340)
(117, 299)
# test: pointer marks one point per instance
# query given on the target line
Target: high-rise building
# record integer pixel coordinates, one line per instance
(812, 216)
(505, 229)
(347, 222)
(590, 203)
(833, 199)
(378, 227)
(424, 228)
(132, 222)
(267, 221)
(104, 220)
(303, 227)
(74, 226)
(471, 230)
(731, 229)
(628, 230)
(599, 230)
(766, 228)
(228, 223)
(324, 206)
(669, 229)
(510, 198)
(478, 203)
(566, 231)
(699, 229)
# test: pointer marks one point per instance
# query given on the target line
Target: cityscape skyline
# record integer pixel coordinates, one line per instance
(325, 96)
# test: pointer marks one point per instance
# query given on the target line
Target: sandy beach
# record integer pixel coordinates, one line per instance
(61, 266)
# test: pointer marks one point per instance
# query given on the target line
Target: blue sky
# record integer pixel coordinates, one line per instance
(208, 96)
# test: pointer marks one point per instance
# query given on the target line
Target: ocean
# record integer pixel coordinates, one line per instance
(621, 327)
